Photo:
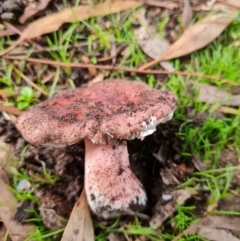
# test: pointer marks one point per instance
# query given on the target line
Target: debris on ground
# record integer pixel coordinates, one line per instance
(216, 228)
(163, 211)
(151, 44)
(80, 226)
(187, 14)
(211, 94)
(53, 21)
(195, 37)
(116, 237)
(16, 231)
(32, 9)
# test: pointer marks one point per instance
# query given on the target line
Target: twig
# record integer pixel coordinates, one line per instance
(11, 109)
(161, 4)
(118, 68)
(19, 32)
(49, 49)
(118, 51)
(30, 82)
(178, 236)
(228, 110)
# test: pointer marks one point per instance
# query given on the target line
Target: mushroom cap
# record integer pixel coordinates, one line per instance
(104, 112)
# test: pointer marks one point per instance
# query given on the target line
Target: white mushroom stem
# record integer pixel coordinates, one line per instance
(111, 187)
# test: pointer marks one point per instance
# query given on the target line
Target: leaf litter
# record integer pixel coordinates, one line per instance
(216, 228)
(16, 230)
(11, 109)
(53, 21)
(79, 225)
(187, 14)
(163, 211)
(32, 9)
(151, 44)
(195, 37)
(211, 94)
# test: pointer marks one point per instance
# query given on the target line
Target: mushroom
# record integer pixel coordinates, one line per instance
(105, 115)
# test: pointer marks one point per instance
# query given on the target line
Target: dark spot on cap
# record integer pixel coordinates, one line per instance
(120, 171)
(92, 196)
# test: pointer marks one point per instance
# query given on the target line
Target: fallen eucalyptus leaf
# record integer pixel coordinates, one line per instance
(8, 208)
(187, 14)
(164, 211)
(152, 45)
(11, 109)
(215, 228)
(195, 37)
(33, 8)
(162, 4)
(116, 237)
(52, 22)
(228, 110)
(211, 94)
(79, 227)
(198, 163)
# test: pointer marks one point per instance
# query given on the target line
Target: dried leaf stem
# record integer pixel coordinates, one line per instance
(119, 68)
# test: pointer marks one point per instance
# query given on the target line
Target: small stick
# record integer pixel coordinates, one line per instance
(19, 32)
(118, 68)
(30, 82)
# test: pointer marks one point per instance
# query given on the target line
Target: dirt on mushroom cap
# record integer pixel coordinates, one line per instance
(104, 112)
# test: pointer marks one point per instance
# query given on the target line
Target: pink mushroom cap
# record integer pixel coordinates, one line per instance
(104, 112)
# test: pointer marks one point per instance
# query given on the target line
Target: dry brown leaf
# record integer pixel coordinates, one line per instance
(96, 79)
(230, 4)
(198, 163)
(11, 109)
(152, 45)
(6, 155)
(79, 227)
(33, 8)
(7, 31)
(228, 110)
(53, 21)
(187, 14)
(4, 95)
(164, 211)
(195, 37)
(116, 237)
(8, 208)
(3, 233)
(92, 71)
(211, 94)
(162, 4)
(216, 228)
